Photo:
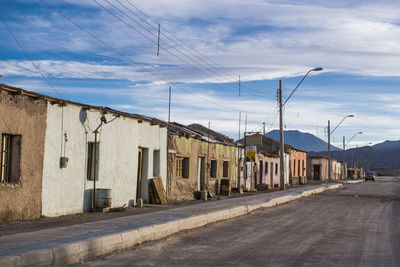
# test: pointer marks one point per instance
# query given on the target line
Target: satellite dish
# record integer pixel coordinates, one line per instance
(82, 115)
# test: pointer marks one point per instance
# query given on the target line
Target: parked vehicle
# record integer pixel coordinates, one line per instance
(370, 176)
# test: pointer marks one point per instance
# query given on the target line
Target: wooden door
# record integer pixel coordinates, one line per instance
(139, 173)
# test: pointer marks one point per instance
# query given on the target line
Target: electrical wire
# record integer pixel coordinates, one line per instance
(29, 57)
(135, 63)
(223, 69)
(209, 71)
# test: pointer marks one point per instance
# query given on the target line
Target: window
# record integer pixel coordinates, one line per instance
(213, 169)
(156, 163)
(182, 167)
(93, 160)
(10, 158)
(303, 168)
(266, 167)
(276, 168)
(225, 169)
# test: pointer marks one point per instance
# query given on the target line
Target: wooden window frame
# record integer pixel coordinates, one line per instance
(10, 169)
(179, 163)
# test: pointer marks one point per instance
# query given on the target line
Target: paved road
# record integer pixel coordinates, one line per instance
(355, 226)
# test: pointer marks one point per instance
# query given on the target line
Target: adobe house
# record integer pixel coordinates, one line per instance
(298, 163)
(22, 128)
(198, 160)
(125, 154)
(268, 169)
(266, 153)
(51, 155)
(317, 168)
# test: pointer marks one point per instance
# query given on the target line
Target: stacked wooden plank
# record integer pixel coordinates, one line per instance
(157, 191)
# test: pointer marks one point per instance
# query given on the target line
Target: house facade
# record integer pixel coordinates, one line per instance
(317, 168)
(298, 163)
(199, 159)
(266, 152)
(129, 151)
(22, 128)
(336, 170)
(268, 169)
(52, 157)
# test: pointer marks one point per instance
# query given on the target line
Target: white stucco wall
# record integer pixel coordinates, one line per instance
(67, 190)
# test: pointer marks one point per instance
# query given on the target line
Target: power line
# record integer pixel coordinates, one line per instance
(223, 69)
(209, 72)
(27, 55)
(131, 61)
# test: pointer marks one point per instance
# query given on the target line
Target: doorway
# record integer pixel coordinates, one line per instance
(271, 171)
(139, 173)
(142, 175)
(200, 173)
(317, 171)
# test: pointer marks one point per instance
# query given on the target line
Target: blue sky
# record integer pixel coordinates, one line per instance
(212, 43)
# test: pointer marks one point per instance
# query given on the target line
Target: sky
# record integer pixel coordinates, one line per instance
(104, 52)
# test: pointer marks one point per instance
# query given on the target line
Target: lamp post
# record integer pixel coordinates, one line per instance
(282, 145)
(345, 144)
(329, 144)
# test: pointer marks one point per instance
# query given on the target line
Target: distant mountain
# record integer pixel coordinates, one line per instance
(303, 141)
(384, 155)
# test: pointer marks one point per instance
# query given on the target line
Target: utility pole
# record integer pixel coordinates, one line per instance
(329, 152)
(344, 158)
(282, 149)
(169, 106)
(264, 128)
(245, 123)
(239, 153)
(208, 162)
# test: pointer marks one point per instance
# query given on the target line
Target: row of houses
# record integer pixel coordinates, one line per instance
(54, 152)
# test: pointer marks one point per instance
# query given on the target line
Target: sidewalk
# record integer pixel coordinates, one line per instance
(77, 243)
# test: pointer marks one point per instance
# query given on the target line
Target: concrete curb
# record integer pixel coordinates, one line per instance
(353, 181)
(77, 252)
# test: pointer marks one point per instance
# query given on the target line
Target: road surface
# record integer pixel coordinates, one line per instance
(355, 226)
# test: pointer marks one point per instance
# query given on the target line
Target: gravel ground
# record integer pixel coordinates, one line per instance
(358, 225)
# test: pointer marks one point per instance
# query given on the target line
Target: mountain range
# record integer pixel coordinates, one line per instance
(385, 155)
(303, 141)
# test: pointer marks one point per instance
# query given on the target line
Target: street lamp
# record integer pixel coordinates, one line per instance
(282, 146)
(329, 144)
(353, 137)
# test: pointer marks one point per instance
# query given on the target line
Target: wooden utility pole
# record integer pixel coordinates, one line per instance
(344, 158)
(282, 145)
(169, 106)
(329, 152)
(239, 153)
